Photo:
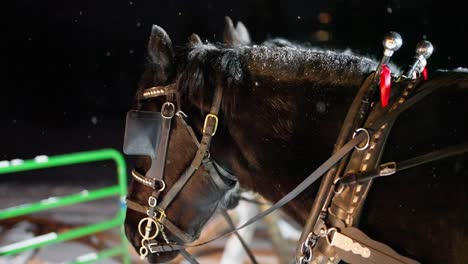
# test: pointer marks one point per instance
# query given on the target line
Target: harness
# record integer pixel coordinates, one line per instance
(329, 234)
(155, 222)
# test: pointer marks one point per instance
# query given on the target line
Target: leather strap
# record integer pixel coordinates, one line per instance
(175, 189)
(158, 163)
(209, 128)
(157, 247)
(241, 240)
(390, 168)
(354, 118)
(201, 153)
(165, 221)
(188, 257)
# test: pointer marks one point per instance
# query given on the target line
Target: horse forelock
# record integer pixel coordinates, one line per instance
(206, 66)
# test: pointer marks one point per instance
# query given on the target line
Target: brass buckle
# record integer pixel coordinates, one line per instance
(208, 116)
(161, 215)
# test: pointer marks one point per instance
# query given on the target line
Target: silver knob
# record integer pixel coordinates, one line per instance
(392, 42)
(424, 48)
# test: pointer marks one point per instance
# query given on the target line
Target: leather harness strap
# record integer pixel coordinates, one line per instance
(376, 125)
(244, 245)
(348, 198)
(165, 221)
(291, 195)
(209, 129)
(155, 174)
(390, 168)
(353, 120)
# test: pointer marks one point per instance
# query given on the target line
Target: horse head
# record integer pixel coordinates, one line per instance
(193, 185)
(230, 108)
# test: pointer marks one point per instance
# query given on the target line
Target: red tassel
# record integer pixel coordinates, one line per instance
(385, 85)
(424, 73)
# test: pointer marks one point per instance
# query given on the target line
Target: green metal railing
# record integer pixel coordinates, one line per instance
(119, 190)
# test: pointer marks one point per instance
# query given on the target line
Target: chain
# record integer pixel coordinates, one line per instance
(161, 229)
(310, 242)
(306, 249)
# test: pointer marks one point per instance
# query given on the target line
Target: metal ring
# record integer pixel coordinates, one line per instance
(149, 224)
(308, 242)
(151, 215)
(152, 201)
(143, 251)
(368, 138)
(181, 113)
(309, 255)
(336, 182)
(172, 111)
(161, 183)
(304, 248)
(300, 260)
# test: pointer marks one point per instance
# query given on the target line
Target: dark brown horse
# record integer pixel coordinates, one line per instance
(281, 112)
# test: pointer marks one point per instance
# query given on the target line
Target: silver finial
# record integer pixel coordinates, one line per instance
(392, 42)
(424, 48)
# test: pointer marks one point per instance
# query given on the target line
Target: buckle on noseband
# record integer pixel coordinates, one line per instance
(215, 126)
(157, 214)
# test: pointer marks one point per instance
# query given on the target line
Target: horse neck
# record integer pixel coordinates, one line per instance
(287, 126)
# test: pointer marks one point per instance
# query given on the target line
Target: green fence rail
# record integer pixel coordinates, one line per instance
(120, 190)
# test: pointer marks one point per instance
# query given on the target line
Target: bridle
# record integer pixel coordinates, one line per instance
(156, 220)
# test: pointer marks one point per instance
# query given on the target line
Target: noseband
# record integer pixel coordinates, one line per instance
(156, 220)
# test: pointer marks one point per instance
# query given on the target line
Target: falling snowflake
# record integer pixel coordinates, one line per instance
(94, 120)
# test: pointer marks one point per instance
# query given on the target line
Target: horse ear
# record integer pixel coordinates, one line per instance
(194, 40)
(235, 37)
(229, 33)
(243, 34)
(160, 51)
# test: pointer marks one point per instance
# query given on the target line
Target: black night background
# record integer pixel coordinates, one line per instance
(72, 66)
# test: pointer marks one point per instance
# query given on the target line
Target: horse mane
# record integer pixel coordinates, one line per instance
(202, 67)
